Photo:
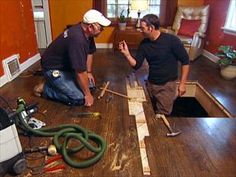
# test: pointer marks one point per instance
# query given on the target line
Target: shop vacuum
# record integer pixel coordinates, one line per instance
(11, 156)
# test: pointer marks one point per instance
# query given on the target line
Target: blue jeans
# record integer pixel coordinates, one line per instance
(62, 86)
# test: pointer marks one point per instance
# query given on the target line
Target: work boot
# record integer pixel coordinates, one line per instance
(38, 89)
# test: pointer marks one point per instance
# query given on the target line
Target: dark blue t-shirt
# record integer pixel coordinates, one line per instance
(68, 52)
(162, 56)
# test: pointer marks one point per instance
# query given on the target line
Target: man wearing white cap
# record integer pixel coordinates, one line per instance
(67, 62)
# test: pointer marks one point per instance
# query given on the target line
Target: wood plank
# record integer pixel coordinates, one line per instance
(206, 147)
(202, 149)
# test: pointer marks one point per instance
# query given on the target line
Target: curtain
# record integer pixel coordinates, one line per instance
(100, 5)
(168, 10)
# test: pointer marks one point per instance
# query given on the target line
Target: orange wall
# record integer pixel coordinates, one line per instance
(17, 32)
(190, 2)
(64, 12)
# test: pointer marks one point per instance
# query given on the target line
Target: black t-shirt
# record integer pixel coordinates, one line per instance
(68, 52)
(162, 56)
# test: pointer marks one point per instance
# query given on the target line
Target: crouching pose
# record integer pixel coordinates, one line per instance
(67, 62)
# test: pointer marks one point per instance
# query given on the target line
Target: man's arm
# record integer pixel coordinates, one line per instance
(125, 51)
(183, 80)
(89, 62)
(82, 78)
(89, 67)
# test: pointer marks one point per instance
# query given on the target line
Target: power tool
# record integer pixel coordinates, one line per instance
(11, 155)
(13, 158)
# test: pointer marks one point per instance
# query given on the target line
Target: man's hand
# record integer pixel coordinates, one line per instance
(124, 48)
(184, 76)
(82, 78)
(181, 89)
(91, 78)
(125, 51)
(88, 100)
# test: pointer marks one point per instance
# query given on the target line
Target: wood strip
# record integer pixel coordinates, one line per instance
(136, 109)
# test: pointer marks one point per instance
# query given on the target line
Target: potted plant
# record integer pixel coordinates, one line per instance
(227, 61)
(122, 21)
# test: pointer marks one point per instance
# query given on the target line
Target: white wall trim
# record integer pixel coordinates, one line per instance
(3, 80)
(210, 56)
(29, 62)
(47, 21)
(104, 45)
(43, 30)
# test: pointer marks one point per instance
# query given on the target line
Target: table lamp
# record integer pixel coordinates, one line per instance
(139, 5)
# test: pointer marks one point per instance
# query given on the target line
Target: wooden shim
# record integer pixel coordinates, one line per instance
(103, 90)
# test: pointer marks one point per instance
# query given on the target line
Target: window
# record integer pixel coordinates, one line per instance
(115, 7)
(230, 25)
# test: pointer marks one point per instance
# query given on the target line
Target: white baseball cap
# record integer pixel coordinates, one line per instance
(94, 16)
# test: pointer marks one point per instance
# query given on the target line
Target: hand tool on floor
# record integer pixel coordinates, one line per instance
(167, 124)
(104, 89)
(51, 165)
(116, 93)
(52, 150)
(93, 114)
(35, 149)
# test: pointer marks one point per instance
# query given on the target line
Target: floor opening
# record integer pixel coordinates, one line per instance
(188, 107)
(197, 102)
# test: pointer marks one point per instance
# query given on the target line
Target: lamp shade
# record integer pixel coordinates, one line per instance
(139, 5)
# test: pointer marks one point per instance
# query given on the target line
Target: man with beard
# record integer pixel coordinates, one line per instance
(67, 62)
(163, 52)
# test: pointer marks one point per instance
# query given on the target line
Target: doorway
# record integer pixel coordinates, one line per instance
(42, 23)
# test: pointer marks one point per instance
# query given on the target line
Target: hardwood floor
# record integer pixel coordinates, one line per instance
(205, 148)
(208, 75)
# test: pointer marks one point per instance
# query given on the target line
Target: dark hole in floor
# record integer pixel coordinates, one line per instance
(188, 107)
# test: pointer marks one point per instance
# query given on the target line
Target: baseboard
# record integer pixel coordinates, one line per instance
(3, 80)
(104, 45)
(210, 56)
(29, 62)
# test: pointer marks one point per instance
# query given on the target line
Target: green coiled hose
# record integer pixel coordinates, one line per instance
(68, 132)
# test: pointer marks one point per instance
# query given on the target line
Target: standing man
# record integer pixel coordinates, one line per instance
(162, 52)
(67, 62)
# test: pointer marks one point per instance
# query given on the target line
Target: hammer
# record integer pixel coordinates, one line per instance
(115, 93)
(167, 124)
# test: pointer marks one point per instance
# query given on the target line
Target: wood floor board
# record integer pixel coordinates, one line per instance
(200, 152)
(205, 148)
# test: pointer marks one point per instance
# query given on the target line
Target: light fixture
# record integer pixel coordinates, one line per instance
(139, 5)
